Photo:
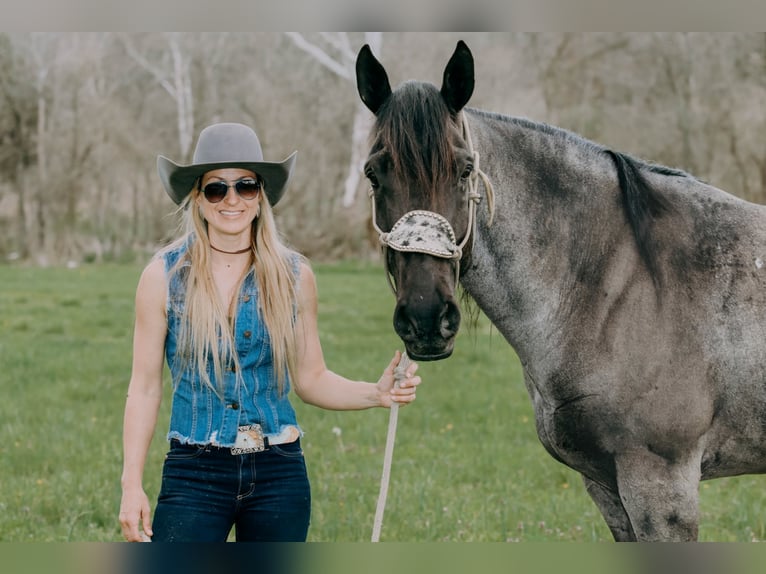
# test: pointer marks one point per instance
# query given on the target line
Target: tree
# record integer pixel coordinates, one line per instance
(17, 121)
(83, 116)
(342, 64)
(171, 71)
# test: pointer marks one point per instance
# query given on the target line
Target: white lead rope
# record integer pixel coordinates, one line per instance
(399, 375)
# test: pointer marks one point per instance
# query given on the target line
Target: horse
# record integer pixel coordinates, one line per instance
(633, 294)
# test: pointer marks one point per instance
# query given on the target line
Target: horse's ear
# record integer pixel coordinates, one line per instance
(371, 80)
(457, 85)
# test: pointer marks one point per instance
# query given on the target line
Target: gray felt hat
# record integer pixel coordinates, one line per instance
(221, 146)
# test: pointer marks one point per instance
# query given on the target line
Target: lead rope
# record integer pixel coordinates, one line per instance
(393, 415)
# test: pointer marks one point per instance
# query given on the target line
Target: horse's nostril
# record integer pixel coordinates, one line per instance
(450, 320)
(404, 325)
(412, 323)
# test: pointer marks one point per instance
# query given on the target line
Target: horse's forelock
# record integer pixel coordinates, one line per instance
(415, 124)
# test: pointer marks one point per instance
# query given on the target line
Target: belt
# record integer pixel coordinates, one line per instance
(250, 438)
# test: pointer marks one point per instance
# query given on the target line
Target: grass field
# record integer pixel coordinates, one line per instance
(467, 464)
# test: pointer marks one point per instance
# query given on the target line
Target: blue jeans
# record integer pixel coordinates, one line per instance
(206, 490)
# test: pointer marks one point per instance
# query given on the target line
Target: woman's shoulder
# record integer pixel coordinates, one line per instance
(306, 287)
(154, 270)
(152, 283)
(301, 266)
(167, 262)
(171, 253)
(295, 261)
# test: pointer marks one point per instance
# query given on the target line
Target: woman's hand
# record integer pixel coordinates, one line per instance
(134, 510)
(404, 392)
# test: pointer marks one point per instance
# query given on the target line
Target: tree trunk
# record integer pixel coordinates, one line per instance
(183, 96)
(42, 168)
(363, 121)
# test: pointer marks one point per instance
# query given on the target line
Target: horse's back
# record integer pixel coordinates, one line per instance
(716, 288)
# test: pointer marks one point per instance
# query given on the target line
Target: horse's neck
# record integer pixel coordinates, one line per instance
(556, 208)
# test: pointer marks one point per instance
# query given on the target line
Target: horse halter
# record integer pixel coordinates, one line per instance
(421, 231)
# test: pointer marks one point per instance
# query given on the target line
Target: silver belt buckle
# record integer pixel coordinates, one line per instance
(249, 439)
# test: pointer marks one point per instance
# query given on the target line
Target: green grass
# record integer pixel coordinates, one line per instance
(467, 464)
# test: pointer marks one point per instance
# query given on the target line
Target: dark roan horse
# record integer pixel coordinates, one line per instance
(633, 294)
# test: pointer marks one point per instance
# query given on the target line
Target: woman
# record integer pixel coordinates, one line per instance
(234, 314)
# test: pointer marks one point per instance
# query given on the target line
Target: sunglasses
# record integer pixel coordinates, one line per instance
(246, 188)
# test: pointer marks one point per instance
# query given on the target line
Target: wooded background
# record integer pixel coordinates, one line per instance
(84, 115)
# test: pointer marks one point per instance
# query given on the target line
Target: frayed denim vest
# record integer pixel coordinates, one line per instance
(199, 414)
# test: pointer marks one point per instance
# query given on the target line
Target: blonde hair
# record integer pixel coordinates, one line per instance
(206, 331)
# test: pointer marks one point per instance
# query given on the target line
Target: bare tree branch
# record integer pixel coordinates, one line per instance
(362, 119)
(320, 55)
(146, 65)
(339, 41)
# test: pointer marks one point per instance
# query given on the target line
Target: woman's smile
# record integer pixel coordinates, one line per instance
(231, 212)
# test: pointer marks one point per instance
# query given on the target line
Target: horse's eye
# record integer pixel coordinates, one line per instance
(466, 172)
(374, 184)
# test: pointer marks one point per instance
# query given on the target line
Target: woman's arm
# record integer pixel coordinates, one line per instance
(319, 386)
(144, 397)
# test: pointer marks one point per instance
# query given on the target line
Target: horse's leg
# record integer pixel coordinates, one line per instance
(608, 502)
(661, 496)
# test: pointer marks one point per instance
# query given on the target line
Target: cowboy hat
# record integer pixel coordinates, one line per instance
(225, 145)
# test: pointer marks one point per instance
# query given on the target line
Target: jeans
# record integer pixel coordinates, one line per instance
(206, 490)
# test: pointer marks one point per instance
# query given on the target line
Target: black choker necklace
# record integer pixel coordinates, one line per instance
(245, 250)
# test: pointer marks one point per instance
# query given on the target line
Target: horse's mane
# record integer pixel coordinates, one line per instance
(415, 122)
(642, 202)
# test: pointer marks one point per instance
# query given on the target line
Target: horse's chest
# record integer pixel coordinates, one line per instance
(571, 431)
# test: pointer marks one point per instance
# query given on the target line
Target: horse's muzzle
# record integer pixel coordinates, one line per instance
(416, 356)
(428, 331)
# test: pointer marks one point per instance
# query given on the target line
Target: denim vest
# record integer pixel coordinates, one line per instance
(199, 414)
